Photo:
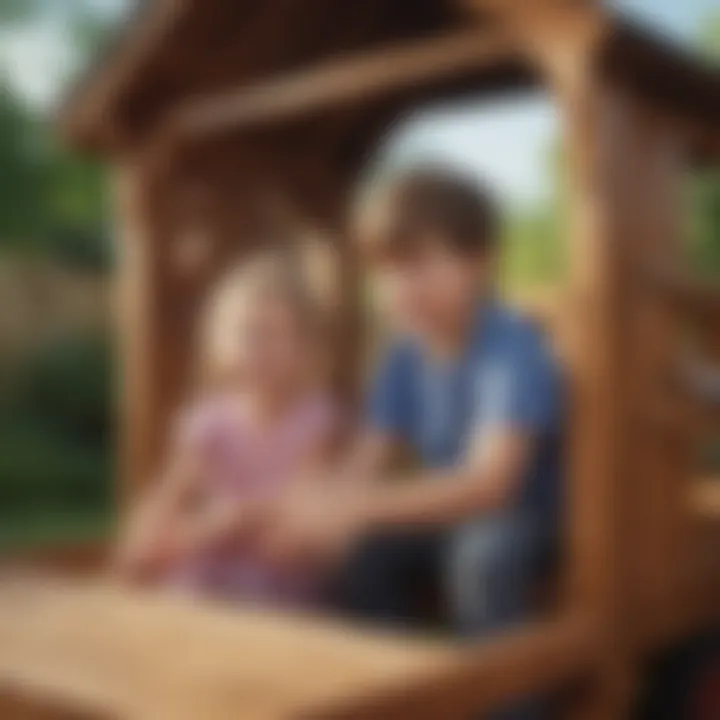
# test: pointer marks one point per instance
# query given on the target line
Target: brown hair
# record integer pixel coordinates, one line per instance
(425, 203)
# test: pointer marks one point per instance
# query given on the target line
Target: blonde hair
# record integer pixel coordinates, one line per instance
(270, 275)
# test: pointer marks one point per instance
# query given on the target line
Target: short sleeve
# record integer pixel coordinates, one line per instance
(521, 386)
(389, 406)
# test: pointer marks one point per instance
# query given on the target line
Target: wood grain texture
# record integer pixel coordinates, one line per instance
(350, 80)
(92, 647)
(601, 508)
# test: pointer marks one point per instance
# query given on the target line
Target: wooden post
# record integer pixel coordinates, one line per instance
(600, 508)
(159, 294)
(141, 326)
(662, 418)
(349, 335)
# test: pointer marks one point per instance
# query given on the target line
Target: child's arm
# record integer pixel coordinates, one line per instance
(214, 527)
(144, 541)
(368, 456)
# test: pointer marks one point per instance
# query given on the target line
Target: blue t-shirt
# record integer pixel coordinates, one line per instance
(507, 377)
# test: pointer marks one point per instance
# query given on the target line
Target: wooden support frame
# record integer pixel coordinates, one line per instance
(158, 305)
(138, 287)
(598, 461)
(343, 82)
(625, 165)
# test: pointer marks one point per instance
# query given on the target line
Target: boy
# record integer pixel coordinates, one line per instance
(472, 389)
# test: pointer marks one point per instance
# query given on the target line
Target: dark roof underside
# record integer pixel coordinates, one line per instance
(172, 51)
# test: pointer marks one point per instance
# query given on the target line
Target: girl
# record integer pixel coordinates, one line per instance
(265, 425)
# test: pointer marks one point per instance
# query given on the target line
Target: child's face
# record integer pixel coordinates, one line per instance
(269, 348)
(427, 293)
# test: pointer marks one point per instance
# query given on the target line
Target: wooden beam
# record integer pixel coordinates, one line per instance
(90, 106)
(341, 82)
(95, 647)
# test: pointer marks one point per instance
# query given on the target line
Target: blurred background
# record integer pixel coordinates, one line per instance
(56, 246)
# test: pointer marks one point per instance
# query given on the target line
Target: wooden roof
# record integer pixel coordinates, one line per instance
(174, 50)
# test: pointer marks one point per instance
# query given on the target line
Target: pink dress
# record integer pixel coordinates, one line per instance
(243, 463)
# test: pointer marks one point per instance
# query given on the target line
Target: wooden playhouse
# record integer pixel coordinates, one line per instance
(207, 107)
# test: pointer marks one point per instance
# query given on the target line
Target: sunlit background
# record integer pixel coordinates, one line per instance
(56, 240)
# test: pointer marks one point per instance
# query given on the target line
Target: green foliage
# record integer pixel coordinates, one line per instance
(534, 249)
(53, 528)
(709, 42)
(704, 221)
(56, 429)
(50, 201)
(68, 381)
(535, 241)
(40, 469)
(704, 188)
(56, 457)
(21, 178)
(16, 11)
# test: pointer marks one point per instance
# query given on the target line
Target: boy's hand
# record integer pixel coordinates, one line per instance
(311, 525)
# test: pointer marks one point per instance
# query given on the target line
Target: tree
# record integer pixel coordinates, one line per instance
(50, 200)
(17, 11)
(704, 192)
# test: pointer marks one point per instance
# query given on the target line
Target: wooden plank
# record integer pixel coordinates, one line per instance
(663, 451)
(142, 218)
(84, 559)
(96, 647)
(339, 83)
(697, 298)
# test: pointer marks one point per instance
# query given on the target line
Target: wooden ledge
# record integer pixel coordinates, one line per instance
(88, 646)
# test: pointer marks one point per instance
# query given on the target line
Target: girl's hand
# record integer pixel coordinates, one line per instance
(217, 526)
(139, 559)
